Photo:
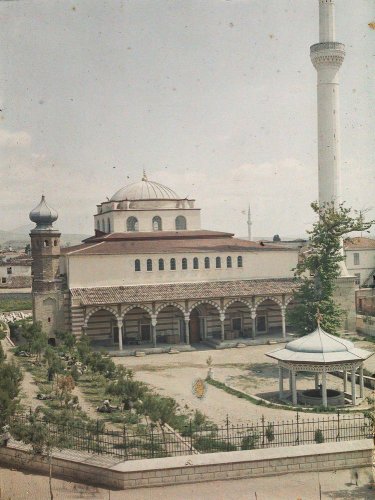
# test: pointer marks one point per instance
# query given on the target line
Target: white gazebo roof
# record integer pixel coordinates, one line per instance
(320, 347)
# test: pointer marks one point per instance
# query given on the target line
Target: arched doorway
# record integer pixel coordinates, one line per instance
(102, 328)
(195, 326)
(268, 318)
(137, 327)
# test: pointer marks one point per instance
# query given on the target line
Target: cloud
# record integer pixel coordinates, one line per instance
(14, 139)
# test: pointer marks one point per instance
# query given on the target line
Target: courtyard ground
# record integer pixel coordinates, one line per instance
(247, 368)
(15, 485)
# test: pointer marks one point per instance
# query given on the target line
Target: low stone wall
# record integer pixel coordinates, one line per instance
(196, 468)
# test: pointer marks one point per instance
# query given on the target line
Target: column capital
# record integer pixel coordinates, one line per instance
(222, 317)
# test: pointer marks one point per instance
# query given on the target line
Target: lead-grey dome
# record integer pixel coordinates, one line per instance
(319, 341)
(43, 215)
(145, 190)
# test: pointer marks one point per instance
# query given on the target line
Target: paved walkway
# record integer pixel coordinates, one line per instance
(15, 485)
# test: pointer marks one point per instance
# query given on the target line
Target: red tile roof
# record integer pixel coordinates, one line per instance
(167, 241)
(359, 243)
(181, 291)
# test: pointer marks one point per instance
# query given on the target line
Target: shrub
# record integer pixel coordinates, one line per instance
(250, 441)
(210, 444)
(270, 432)
(319, 436)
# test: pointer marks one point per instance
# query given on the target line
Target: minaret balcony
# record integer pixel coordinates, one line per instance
(327, 53)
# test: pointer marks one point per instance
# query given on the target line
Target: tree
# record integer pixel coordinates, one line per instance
(36, 339)
(276, 237)
(319, 267)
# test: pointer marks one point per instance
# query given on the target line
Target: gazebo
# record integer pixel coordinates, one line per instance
(320, 352)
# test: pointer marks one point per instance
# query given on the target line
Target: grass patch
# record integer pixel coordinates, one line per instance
(14, 304)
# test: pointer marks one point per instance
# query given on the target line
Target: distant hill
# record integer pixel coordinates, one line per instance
(19, 237)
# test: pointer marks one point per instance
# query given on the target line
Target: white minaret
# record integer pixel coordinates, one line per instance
(327, 57)
(249, 224)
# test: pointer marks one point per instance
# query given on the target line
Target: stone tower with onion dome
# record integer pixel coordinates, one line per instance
(46, 284)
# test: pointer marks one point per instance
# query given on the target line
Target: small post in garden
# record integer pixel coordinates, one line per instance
(262, 430)
(297, 419)
(227, 422)
(353, 387)
(361, 384)
(338, 426)
(324, 389)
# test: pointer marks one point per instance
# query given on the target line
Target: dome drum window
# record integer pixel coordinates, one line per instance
(207, 263)
(157, 224)
(180, 223)
(161, 264)
(137, 265)
(239, 261)
(132, 224)
(195, 263)
(229, 262)
(149, 265)
(173, 264)
(184, 263)
(218, 263)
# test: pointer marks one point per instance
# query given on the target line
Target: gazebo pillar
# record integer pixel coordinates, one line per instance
(153, 324)
(324, 389)
(294, 388)
(361, 384)
(353, 387)
(281, 382)
(317, 381)
(345, 377)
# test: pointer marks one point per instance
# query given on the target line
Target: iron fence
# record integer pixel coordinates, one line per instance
(154, 441)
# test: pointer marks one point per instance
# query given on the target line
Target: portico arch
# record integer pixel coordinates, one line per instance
(137, 320)
(102, 327)
(238, 321)
(170, 324)
(270, 315)
(206, 321)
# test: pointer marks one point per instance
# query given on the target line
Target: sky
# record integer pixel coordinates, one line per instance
(215, 99)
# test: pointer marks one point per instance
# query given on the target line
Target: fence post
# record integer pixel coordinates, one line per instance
(297, 417)
(152, 441)
(338, 426)
(97, 437)
(263, 431)
(191, 436)
(227, 422)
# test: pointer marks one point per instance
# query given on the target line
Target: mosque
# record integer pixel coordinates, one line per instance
(152, 276)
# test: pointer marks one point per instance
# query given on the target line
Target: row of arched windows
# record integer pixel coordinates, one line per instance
(133, 225)
(184, 263)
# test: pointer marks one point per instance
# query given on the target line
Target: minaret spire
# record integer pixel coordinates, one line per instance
(327, 57)
(249, 223)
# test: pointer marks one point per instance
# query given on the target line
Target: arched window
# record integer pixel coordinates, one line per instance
(180, 223)
(218, 262)
(132, 224)
(137, 265)
(195, 263)
(239, 261)
(207, 263)
(173, 264)
(108, 226)
(149, 265)
(46, 243)
(156, 223)
(229, 261)
(184, 263)
(161, 264)
(55, 242)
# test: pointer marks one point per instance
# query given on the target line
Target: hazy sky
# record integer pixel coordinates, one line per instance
(214, 98)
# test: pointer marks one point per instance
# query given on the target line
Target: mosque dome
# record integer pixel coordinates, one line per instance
(43, 215)
(145, 190)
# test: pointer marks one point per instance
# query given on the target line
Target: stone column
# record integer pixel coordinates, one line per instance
(316, 380)
(222, 319)
(361, 384)
(187, 329)
(324, 389)
(345, 377)
(153, 324)
(294, 388)
(119, 326)
(254, 323)
(281, 382)
(84, 330)
(353, 387)
(283, 324)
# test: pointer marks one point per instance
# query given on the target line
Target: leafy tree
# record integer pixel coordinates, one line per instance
(10, 380)
(68, 339)
(276, 237)
(36, 339)
(54, 363)
(319, 268)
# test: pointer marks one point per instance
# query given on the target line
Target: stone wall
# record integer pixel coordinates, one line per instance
(196, 468)
(345, 297)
